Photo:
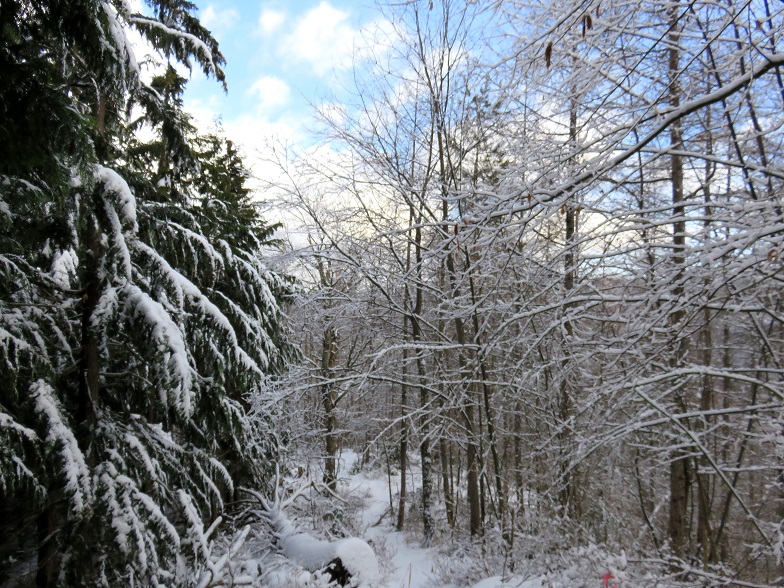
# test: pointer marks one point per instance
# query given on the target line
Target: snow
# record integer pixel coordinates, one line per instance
(74, 469)
(119, 36)
(7, 338)
(196, 536)
(152, 467)
(498, 582)
(197, 45)
(126, 217)
(309, 552)
(105, 308)
(380, 557)
(314, 554)
(29, 186)
(114, 183)
(153, 510)
(75, 181)
(411, 565)
(358, 558)
(8, 423)
(168, 338)
(64, 267)
(120, 524)
(134, 515)
(188, 289)
(119, 239)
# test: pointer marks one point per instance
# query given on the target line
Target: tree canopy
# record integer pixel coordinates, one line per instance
(138, 321)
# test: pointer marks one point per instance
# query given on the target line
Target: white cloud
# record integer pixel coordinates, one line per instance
(219, 21)
(323, 39)
(271, 91)
(270, 20)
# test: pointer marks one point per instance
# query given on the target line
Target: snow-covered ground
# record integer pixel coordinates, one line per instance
(304, 543)
(403, 562)
(410, 564)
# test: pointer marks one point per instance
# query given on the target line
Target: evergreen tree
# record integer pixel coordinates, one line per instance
(137, 321)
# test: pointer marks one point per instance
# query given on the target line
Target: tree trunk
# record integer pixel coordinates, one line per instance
(89, 368)
(566, 494)
(472, 458)
(329, 352)
(449, 501)
(487, 394)
(472, 474)
(679, 466)
(401, 509)
(428, 522)
(705, 487)
(47, 549)
(469, 418)
(425, 454)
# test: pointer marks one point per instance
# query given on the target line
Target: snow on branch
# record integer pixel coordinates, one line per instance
(64, 267)
(351, 554)
(198, 46)
(553, 196)
(114, 184)
(251, 326)
(74, 468)
(106, 308)
(151, 465)
(8, 423)
(215, 574)
(7, 339)
(126, 201)
(189, 290)
(120, 40)
(167, 337)
(196, 537)
(136, 519)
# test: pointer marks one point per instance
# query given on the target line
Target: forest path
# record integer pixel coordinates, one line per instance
(404, 563)
(411, 564)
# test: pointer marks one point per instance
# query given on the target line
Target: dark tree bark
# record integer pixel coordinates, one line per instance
(680, 462)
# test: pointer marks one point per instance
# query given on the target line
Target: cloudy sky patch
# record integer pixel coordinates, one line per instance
(271, 20)
(282, 59)
(219, 20)
(323, 39)
(271, 92)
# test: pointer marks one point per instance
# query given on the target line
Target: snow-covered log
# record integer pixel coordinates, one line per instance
(349, 561)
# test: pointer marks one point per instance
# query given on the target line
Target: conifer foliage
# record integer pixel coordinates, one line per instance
(137, 320)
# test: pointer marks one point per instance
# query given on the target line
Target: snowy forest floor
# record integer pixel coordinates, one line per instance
(362, 509)
(404, 563)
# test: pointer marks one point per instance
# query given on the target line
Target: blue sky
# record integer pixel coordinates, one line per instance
(280, 57)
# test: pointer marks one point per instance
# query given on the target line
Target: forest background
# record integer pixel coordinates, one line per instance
(537, 260)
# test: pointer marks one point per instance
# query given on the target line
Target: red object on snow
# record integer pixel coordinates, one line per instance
(606, 580)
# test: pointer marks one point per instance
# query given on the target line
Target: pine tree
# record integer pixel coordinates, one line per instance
(137, 320)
